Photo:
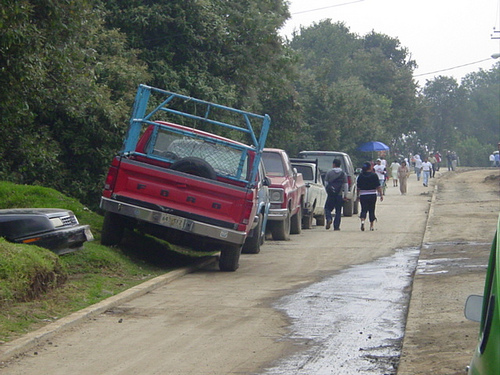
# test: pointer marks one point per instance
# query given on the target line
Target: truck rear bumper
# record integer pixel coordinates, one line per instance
(174, 221)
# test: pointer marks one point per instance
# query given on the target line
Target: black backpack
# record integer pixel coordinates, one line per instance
(335, 187)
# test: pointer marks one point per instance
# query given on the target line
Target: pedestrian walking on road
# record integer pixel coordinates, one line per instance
(368, 185)
(336, 188)
(394, 172)
(418, 166)
(426, 170)
(403, 173)
(433, 161)
(380, 170)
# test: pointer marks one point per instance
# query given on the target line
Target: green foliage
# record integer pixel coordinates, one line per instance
(352, 89)
(472, 153)
(37, 285)
(69, 71)
(27, 271)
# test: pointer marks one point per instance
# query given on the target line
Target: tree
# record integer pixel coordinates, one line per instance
(444, 100)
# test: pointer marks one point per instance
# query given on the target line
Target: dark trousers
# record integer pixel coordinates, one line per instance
(368, 203)
(334, 202)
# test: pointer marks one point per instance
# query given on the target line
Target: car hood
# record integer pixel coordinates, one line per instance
(21, 222)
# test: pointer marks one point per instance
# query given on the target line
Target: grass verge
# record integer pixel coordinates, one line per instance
(38, 287)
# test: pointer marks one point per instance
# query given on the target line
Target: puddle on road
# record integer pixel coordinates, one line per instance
(353, 322)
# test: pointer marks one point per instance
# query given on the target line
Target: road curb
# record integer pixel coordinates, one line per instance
(32, 339)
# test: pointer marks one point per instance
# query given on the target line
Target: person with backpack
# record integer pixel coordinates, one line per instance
(368, 185)
(336, 189)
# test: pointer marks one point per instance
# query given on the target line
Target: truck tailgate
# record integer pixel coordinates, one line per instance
(182, 194)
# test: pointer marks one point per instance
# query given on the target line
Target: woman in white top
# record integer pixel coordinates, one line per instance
(394, 172)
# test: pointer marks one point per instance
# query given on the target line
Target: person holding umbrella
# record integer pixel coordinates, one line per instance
(368, 187)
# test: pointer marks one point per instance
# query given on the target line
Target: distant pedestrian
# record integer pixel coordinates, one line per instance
(336, 188)
(454, 160)
(368, 185)
(492, 160)
(394, 172)
(426, 170)
(403, 174)
(497, 159)
(418, 166)
(379, 169)
(448, 160)
(437, 155)
(432, 160)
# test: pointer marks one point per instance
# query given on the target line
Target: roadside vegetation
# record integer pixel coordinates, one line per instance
(38, 286)
(69, 71)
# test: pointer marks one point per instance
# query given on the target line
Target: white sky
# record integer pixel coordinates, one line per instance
(439, 34)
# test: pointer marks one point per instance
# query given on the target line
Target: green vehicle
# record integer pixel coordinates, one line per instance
(486, 309)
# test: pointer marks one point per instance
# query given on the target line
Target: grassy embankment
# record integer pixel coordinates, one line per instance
(37, 286)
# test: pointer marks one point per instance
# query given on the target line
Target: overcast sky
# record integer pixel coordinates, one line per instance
(439, 34)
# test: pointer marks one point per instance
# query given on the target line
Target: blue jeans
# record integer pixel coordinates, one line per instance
(417, 172)
(334, 202)
(426, 177)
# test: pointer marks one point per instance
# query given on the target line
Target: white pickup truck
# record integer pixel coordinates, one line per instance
(314, 203)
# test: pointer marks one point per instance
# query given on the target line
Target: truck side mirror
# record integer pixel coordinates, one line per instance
(473, 308)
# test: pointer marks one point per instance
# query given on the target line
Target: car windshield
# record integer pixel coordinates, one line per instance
(274, 164)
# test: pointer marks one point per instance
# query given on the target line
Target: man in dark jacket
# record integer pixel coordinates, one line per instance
(336, 181)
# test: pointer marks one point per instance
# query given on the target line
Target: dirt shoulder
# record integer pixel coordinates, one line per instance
(452, 265)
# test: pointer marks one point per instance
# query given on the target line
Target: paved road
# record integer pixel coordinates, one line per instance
(210, 322)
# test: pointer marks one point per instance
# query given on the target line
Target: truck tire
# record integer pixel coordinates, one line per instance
(194, 166)
(307, 221)
(112, 229)
(320, 220)
(348, 207)
(280, 230)
(229, 258)
(252, 244)
(296, 223)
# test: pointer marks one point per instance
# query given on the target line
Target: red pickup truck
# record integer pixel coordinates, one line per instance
(183, 183)
(287, 193)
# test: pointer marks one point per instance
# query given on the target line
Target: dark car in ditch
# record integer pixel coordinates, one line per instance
(52, 228)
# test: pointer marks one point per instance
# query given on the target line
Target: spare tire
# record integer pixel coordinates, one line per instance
(194, 166)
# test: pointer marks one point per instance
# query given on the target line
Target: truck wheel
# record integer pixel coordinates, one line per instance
(280, 230)
(112, 229)
(348, 207)
(307, 221)
(229, 258)
(296, 224)
(320, 220)
(194, 166)
(252, 244)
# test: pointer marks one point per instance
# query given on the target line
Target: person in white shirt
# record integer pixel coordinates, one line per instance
(394, 171)
(426, 170)
(379, 169)
(418, 166)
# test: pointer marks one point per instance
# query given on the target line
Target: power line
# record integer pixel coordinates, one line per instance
(455, 67)
(330, 6)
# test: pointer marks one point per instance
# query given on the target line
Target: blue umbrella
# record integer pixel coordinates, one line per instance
(373, 146)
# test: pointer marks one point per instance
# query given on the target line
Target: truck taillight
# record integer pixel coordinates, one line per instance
(247, 215)
(349, 180)
(109, 184)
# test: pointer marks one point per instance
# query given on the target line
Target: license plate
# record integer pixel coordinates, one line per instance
(88, 235)
(172, 221)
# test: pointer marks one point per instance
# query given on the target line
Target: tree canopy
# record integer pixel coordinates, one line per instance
(69, 70)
